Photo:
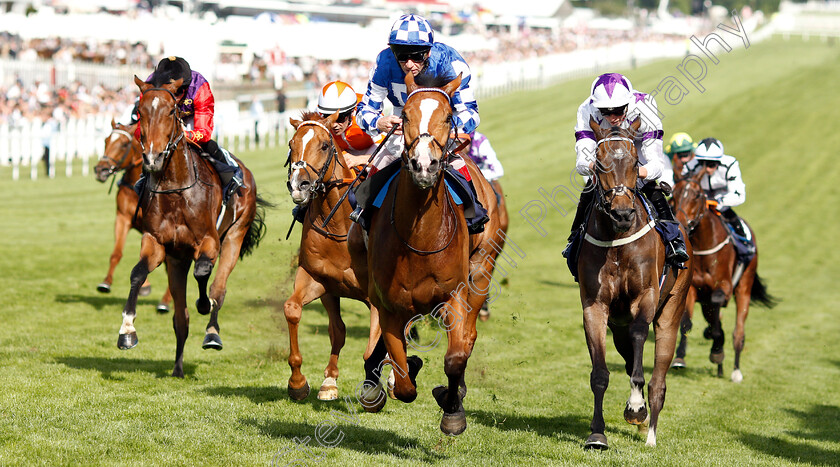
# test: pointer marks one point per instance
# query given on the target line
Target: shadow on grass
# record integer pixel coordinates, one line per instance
(567, 427)
(262, 394)
(821, 423)
(355, 332)
(100, 302)
(108, 366)
(565, 285)
(346, 436)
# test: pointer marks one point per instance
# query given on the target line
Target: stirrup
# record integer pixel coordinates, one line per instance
(356, 214)
(568, 250)
(233, 186)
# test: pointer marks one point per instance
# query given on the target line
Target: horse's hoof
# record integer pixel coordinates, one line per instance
(678, 363)
(716, 357)
(328, 391)
(596, 441)
(104, 287)
(634, 417)
(301, 393)
(373, 398)
(737, 377)
(176, 373)
(162, 308)
(453, 424)
(212, 341)
(483, 315)
(145, 290)
(127, 341)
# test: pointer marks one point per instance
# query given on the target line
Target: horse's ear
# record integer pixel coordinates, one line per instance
(453, 85)
(596, 128)
(634, 127)
(113, 123)
(410, 85)
(295, 123)
(141, 84)
(174, 86)
(332, 119)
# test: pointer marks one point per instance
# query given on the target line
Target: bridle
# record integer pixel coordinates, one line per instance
(175, 136)
(446, 153)
(691, 224)
(115, 167)
(321, 181)
(605, 197)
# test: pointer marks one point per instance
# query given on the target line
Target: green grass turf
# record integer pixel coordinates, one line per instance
(69, 396)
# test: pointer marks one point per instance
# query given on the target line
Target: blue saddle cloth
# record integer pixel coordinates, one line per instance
(380, 197)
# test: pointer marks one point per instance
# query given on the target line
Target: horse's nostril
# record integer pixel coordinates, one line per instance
(415, 166)
(304, 185)
(433, 165)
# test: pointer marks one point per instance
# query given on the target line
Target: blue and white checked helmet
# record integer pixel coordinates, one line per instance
(710, 149)
(411, 30)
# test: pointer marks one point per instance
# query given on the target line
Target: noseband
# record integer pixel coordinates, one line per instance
(604, 198)
(116, 165)
(320, 184)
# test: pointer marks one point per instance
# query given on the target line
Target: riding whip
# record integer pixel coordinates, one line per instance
(370, 159)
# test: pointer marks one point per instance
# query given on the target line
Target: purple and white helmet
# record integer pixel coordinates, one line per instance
(611, 90)
(709, 149)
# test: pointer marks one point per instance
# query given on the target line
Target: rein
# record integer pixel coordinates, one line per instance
(602, 202)
(320, 186)
(404, 242)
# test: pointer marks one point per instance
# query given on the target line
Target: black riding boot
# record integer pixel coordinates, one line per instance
(734, 221)
(584, 201)
(674, 245)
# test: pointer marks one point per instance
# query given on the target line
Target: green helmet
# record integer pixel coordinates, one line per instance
(680, 142)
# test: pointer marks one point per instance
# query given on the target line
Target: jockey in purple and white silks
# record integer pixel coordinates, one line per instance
(484, 156)
(722, 182)
(412, 49)
(614, 102)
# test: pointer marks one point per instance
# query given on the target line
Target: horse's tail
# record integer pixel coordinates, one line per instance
(257, 229)
(759, 295)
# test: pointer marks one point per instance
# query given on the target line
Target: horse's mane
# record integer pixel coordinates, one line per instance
(427, 80)
(310, 115)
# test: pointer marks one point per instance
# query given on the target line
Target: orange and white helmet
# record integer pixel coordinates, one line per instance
(336, 96)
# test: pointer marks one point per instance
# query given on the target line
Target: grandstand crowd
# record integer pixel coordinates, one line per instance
(41, 100)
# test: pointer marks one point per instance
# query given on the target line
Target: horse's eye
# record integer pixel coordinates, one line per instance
(449, 118)
(324, 146)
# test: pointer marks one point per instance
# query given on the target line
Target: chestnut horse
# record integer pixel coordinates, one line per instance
(625, 284)
(317, 179)
(422, 260)
(717, 275)
(182, 198)
(122, 152)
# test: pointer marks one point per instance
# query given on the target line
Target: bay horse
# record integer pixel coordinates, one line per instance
(717, 275)
(180, 203)
(317, 180)
(422, 260)
(625, 284)
(122, 153)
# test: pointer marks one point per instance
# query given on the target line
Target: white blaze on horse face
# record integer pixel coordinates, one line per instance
(427, 109)
(155, 103)
(296, 172)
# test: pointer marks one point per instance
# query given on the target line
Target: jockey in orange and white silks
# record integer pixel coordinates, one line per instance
(614, 103)
(338, 96)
